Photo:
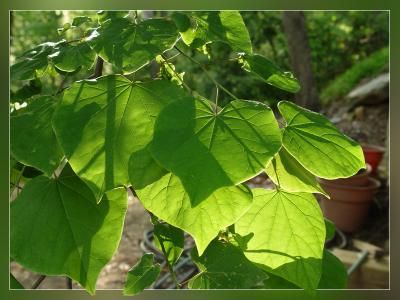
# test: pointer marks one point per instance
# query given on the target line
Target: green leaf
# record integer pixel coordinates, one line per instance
(142, 275)
(286, 172)
(201, 27)
(33, 62)
(101, 123)
(79, 20)
(265, 70)
(169, 240)
(209, 150)
(131, 46)
(224, 266)
(104, 15)
(32, 140)
(34, 87)
(167, 199)
(289, 235)
(318, 145)
(15, 284)
(334, 275)
(69, 57)
(330, 229)
(58, 229)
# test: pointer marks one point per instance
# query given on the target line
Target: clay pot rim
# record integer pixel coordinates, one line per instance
(371, 147)
(375, 184)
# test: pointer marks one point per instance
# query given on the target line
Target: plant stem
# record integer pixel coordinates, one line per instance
(180, 79)
(208, 74)
(38, 282)
(18, 180)
(170, 267)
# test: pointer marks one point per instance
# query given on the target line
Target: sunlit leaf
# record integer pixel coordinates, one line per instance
(318, 145)
(168, 200)
(286, 172)
(209, 150)
(142, 275)
(58, 229)
(131, 46)
(201, 27)
(289, 235)
(100, 123)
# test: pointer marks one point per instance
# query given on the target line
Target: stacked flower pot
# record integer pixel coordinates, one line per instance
(350, 199)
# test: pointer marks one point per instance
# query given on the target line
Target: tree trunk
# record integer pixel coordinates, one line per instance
(300, 56)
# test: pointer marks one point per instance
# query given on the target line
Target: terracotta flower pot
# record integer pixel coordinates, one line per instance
(360, 179)
(348, 206)
(373, 155)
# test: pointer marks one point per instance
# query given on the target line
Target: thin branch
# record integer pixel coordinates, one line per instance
(179, 77)
(38, 282)
(208, 74)
(17, 181)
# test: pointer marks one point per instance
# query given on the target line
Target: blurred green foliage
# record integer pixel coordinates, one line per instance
(338, 40)
(368, 67)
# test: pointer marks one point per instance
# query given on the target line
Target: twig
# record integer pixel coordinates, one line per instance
(17, 181)
(38, 282)
(206, 72)
(180, 79)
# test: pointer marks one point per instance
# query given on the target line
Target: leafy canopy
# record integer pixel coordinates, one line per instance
(186, 158)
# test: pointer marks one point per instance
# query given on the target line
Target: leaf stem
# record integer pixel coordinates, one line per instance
(179, 77)
(170, 267)
(18, 180)
(208, 74)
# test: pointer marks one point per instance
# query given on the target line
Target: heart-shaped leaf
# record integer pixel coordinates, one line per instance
(32, 140)
(224, 266)
(167, 199)
(318, 145)
(131, 46)
(286, 172)
(209, 150)
(289, 235)
(142, 275)
(100, 123)
(202, 27)
(58, 229)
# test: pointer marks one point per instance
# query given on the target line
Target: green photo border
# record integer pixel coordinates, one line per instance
(393, 6)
